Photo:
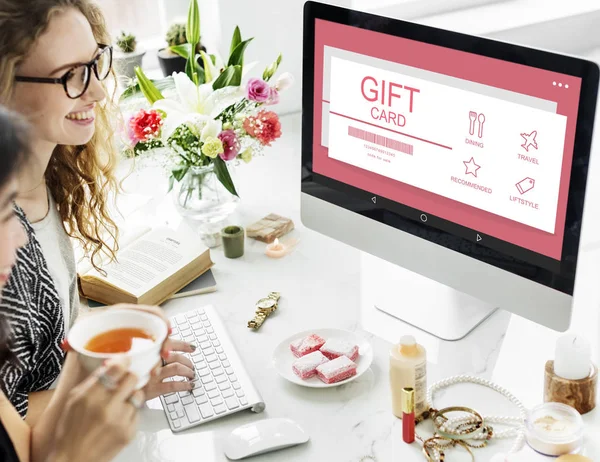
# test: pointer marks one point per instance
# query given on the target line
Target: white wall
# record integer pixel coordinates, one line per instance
(277, 25)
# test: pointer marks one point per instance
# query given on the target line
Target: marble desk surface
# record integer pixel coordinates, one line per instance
(320, 283)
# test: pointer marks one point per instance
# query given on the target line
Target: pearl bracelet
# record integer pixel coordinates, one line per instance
(519, 422)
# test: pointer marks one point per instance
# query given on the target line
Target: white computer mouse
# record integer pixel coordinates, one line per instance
(263, 436)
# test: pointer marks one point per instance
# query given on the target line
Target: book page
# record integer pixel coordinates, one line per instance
(151, 259)
(126, 238)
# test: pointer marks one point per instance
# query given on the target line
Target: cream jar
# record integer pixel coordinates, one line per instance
(554, 429)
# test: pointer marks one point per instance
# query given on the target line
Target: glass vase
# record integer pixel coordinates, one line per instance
(201, 196)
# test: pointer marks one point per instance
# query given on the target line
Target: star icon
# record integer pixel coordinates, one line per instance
(472, 167)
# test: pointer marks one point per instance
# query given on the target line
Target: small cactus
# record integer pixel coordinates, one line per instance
(126, 42)
(176, 36)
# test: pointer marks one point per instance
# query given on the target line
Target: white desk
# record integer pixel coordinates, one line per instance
(321, 287)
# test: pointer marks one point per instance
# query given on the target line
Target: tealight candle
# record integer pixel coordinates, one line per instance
(276, 249)
(573, 357)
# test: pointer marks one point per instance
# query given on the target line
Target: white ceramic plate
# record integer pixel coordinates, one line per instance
(283, 358)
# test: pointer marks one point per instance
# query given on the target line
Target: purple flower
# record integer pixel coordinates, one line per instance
(231, 145)
(258, 90)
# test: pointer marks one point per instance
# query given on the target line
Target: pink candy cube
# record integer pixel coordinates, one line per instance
(306, 367)
(334, 348)
(336, 370)
(306, 345)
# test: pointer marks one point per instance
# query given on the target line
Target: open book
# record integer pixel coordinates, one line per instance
(149, 269)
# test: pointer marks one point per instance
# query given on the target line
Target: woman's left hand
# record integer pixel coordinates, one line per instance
(173, 364)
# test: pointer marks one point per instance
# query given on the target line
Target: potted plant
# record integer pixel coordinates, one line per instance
(127, 57)
(173, 57)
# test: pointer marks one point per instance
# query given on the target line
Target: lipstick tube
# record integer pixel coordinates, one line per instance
(408, 415)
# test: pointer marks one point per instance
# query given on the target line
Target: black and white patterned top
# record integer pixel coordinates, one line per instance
(32, 307)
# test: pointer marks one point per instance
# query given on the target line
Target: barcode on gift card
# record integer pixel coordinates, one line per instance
(380, 140)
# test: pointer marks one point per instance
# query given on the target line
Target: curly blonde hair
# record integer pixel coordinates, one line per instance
(80, 178)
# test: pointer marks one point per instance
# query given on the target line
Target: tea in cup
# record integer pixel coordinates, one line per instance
(136, 334)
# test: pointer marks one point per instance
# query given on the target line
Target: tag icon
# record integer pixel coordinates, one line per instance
(526, 184)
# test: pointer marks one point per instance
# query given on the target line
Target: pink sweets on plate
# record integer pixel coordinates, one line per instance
(306, 367)
(306, 345)
(334, 348)
(336, 370)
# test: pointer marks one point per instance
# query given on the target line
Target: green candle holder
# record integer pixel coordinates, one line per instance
(233, 238)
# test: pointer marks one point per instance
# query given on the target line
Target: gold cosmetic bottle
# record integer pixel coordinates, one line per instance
(408, 369)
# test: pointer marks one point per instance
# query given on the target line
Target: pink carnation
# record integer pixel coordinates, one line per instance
(144, 125)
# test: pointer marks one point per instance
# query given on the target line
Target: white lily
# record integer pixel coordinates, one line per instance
(196, 104)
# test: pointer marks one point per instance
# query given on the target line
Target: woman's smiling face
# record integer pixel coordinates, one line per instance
(55, 117)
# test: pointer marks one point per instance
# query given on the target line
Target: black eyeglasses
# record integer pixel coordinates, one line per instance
(77, 80)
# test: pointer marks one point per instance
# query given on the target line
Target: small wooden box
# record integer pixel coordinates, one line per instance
(579, 394)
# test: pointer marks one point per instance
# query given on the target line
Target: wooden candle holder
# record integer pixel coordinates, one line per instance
(579, 394)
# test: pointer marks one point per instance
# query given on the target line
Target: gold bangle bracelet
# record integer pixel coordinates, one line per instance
(479, 426)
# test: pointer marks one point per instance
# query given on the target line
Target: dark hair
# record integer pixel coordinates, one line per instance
(14, 148)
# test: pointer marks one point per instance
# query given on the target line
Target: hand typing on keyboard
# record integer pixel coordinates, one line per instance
(221, 385)
(176, 365)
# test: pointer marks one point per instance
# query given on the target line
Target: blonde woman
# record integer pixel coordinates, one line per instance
(55, 59)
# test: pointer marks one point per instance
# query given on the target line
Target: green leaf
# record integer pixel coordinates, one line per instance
(151, 93)
(180, 172)
(192, 31)
(235, 40)
(213, 58)
(134, 90)
(200, 71)
(224, 79)
(171, 183)
(182, 50)
(236, 80)
(190, 70)
(223, 175)
(237, 55)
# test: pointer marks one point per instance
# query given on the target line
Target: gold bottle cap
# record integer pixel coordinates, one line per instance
(408, 400)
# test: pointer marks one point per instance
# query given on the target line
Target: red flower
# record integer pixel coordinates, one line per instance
(265, 126)
(144, 125)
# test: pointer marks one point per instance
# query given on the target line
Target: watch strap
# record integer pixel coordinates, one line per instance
(261, 315)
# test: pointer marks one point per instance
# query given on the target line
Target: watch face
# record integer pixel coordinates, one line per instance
(266, 303)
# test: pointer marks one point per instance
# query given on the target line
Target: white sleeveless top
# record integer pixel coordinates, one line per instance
(60, 258)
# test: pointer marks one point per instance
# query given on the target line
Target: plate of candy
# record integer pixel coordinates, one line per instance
(322, 358)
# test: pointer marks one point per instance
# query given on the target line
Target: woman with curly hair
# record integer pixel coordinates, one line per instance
(55, 60)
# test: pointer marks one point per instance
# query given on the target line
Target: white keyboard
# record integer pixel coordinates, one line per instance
(222, 385)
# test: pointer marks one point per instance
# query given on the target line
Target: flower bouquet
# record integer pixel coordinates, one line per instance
(214, 117)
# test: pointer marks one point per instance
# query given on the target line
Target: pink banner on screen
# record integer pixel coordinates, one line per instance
(396, 136)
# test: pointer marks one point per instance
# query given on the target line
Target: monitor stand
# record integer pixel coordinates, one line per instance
(425, 304)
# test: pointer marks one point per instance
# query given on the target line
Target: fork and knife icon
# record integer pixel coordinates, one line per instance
(474, 117)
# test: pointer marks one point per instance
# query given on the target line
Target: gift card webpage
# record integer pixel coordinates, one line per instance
(480, 142)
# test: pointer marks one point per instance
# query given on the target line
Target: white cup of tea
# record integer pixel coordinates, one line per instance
(137, 334)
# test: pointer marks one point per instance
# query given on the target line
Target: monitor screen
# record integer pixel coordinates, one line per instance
(472, 146)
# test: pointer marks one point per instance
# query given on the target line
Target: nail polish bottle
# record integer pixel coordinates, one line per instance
(408, 415)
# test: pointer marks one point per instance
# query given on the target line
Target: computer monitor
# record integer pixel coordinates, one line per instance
(459, 158)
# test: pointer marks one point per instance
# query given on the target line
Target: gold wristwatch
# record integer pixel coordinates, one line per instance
(264, 307)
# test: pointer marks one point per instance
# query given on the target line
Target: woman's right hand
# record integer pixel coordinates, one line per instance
(100, 415)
